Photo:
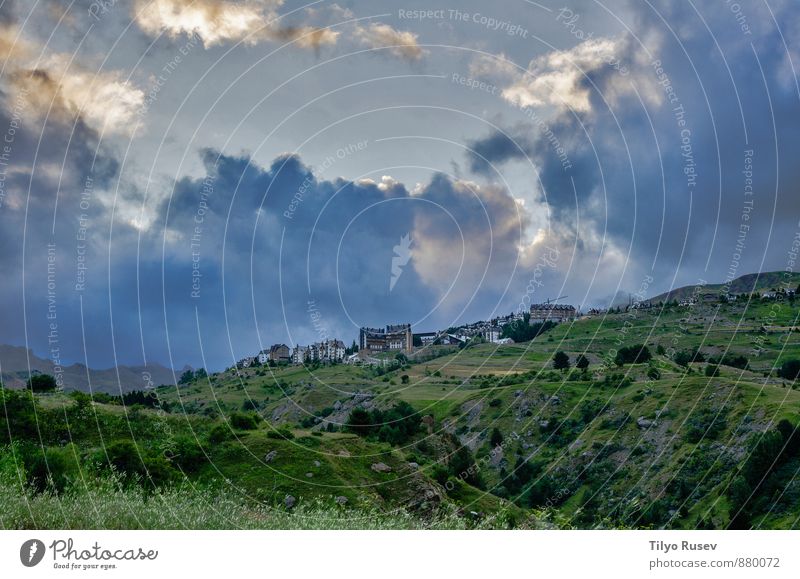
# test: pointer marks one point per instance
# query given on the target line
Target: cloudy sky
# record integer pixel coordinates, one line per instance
(188, 181)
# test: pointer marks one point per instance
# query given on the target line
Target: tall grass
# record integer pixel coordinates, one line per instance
(107, 503)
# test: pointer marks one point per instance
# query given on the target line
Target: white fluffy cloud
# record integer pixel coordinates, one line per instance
(216, 22)
(56, 89)
(400, 43)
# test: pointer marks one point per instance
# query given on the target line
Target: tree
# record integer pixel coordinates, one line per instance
(712, 370)
(404, 379)
(496, 438)
(790, 370)
(560, 361)
(638, 354)
(186, 377)
(582, 362)
(42, 383)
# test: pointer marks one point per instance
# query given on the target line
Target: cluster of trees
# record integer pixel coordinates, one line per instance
(395, 426)
(790, 370)
(639, 354)
(770, 467)
(523, 331)
(42, 383)
(561, 361)
(190, 375)
(732, 360)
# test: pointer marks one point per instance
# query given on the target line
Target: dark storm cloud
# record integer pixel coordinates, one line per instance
(238, 258)
(662, 173)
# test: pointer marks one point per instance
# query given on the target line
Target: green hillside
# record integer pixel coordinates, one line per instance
(746, 284)
(695, 432)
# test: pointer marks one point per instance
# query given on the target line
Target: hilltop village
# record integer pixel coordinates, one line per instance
(400, 338)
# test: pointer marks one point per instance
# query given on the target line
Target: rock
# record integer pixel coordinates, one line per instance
(317, 463)
(343, 452)
(289, 501)
(643, 422)
(340, 500)
(337, 405)
(544, 423)
(309, 475)
(381, 467)
(413, 465)
(517, 393)
(555, 399)
(271, 455)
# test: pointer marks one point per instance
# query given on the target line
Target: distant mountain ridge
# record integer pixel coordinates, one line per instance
(747, 283)
(14, 373)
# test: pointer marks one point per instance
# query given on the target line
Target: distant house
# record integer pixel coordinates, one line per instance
(263, 357)
(279, 353)
(491, 333)
(552, 313)
(299, 354)
(245, 362)
(427, 338)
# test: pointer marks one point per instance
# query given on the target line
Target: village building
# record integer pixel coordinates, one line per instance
(549, 312)
(392, 338)
(279, 353)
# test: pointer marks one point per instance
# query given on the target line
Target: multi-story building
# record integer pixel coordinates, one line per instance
(299, 354)
(279, 353)
(552, 313)
(393, 338)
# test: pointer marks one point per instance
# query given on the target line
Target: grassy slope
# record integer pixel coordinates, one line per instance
(579, 431)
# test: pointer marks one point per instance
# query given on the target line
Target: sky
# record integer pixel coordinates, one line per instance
(191, 181)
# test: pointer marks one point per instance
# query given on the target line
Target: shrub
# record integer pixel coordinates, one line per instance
(495, 402)
(282, 433)
(132, 461)
(496, 438)
(638, 354)
(42, 383)
(55, 468)
(712, 370)
(244, 420)
(790, 370)
(654, 373)
(219, 433)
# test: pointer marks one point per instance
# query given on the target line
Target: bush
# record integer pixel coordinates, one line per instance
(496, 438)
(219, 433)
(244, 421)
(790, 370)
(654, 373)
(712, 370)
(42, 383)
(686, 357)
(55, 469)
(282, 433)
(132, 461)
(732, 360)
(638, 354)
(495, 402)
